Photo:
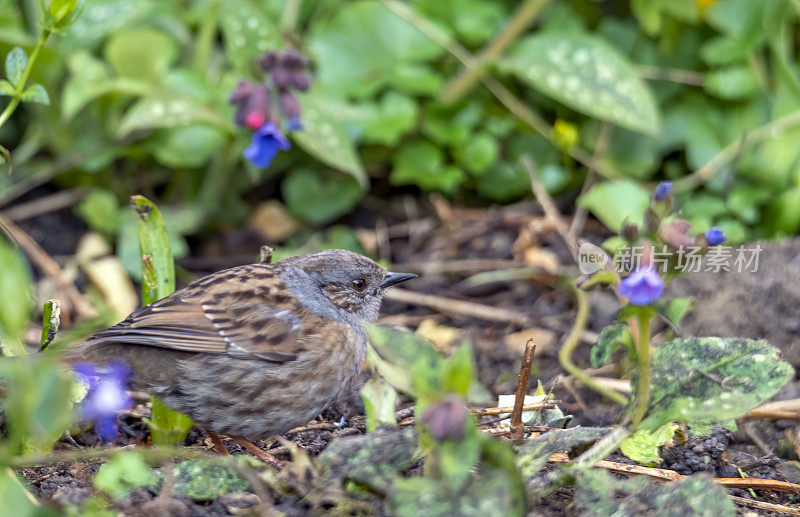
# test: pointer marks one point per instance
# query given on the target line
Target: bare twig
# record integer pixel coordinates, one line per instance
(551, 211)
(674, 75)
(579, 218)
(44, 205)
(457, 307)
(522, 388)
(50, 267)
(761, 505)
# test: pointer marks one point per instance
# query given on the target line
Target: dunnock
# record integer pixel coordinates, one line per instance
(255, 350)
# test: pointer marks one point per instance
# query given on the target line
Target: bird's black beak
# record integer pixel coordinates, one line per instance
(395, 278)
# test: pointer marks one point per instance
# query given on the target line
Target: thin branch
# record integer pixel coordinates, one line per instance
(522, 388)
(458, 307)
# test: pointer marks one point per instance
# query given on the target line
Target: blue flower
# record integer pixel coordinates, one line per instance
(643, 286)
(106, 396)
(267, 141)
(294, 124)
(714, 236)
(663, 190)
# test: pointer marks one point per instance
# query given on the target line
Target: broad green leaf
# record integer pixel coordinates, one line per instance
(732, 83)
(677, 308)
(586, 74)
(16, 61)
(532, 455)
(203, 480)
(144, 53)
(642, 446)
(125, 471)
(477, 154)
(421, 163)
(326, 139)
(459, 370)
(15, 284)
(616, 202)
(151, 113)
(712, 381)
(248, 33)
(394, 116)
(416, 79)
(412, 355)
(380, 400)
(6, 88)
(60, 9)
(154, 243)
(16, 496)
(191, 146)
(357, 50)
(319, 198)
(100, 209)
(100, 18)
(608, 341)
(36, 93)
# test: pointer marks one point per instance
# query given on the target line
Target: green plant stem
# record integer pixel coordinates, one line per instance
(571, 342)
(205, 37)
(15, 99)
(290, 14)
(643, 384)
(521, 19)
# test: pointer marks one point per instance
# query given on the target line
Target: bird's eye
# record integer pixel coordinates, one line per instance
(359, 284)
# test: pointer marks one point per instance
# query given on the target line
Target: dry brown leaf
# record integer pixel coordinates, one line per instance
(444, 338)
(107, 274)
(272, 220)
(543, 338)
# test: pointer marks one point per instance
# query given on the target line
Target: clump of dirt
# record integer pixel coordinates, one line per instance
(700, 454)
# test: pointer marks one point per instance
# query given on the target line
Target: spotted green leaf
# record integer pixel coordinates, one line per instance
(326, 139)
(150, 113)
(380, 400)
(248, 33)
(712, 381)
(586, 74)
(642, 446)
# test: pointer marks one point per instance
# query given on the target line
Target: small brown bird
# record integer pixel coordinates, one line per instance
(255, 350)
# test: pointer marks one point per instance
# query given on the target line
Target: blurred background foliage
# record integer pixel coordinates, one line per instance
(417, 96)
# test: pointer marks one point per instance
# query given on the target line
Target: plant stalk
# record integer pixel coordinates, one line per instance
(643, 383)
(15, 99)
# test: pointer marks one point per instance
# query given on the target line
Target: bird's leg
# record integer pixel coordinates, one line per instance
(259, 453)
(219, 447)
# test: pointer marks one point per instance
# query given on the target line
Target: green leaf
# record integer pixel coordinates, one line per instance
(167, 427)
(15, 495)
(319, 198)
(732, 83)
(100, 209)
(125, 471)
(478, 153)
(154, 243)
(16, 61)
(248, 33)
(35, 93)
(414, 366)
(615, 202)
(421, 163)
(380, 400)
(712, 381)
(100, 18)
(143, 53)
(6, 88)
(642, 446)
(15, 284)
(191, 146)
(416, 79)
(358, 49)
(325, 138)
(60, 9)
(608, 341)
(151, 113)
(203, 480)
(586, 74)
(394, 116)
(677, 308)
(458, 371)
(532, 455)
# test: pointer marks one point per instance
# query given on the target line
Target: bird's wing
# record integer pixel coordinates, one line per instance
(228, 322)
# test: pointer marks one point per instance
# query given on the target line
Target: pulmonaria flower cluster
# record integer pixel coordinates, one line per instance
(643, 286)
(107, 395)
(715, 237)
(446, 419)
(257, 109)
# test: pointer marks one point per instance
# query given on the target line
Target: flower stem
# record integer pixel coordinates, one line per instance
(643, 384)
(15, 99)
(571, 342)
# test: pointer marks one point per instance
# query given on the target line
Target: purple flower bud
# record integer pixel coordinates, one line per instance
(254, 106)
(295, 124)
(280, 78)
(268, 61)
(293, 60)
(643, 286)
(289, 106)
(663, 190)
(106, 396)
(676, 233)
(446, 419)
(266, 143)
(300, 81)
(714, 236)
